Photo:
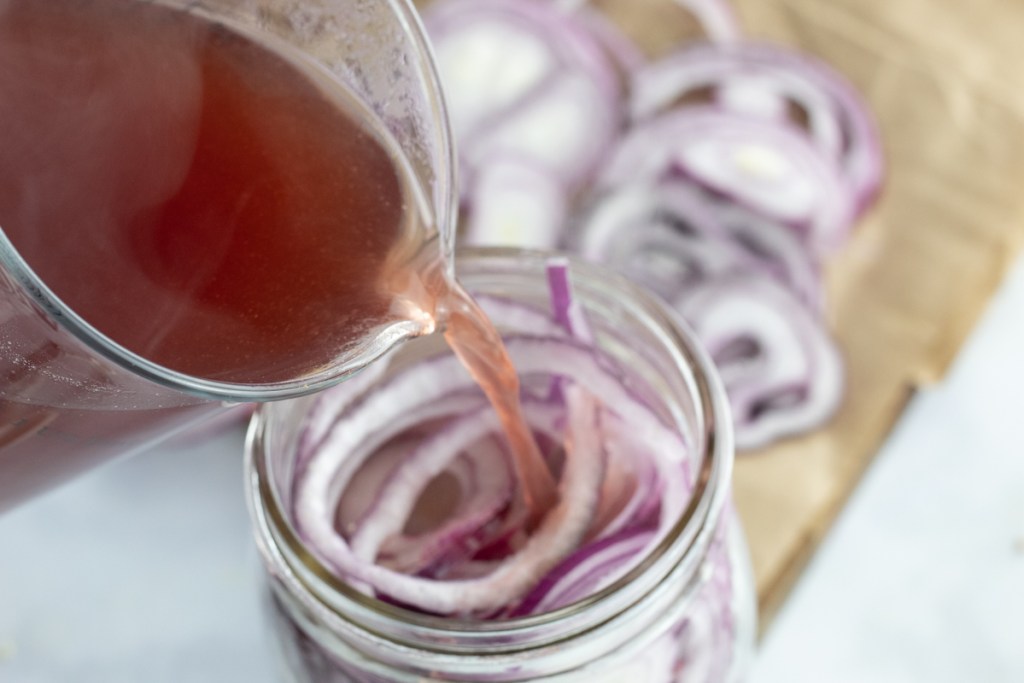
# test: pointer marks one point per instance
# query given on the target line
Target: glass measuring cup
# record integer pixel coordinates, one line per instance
(72, 395)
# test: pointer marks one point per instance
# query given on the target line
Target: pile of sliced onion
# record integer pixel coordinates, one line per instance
(535, 99)
(720, 176)
(404, 483)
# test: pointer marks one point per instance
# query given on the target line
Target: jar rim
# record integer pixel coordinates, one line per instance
(691, 531)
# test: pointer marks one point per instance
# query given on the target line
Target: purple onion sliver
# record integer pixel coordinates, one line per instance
(838, 119)
(565, 307)
(796, 357)
(771, 168)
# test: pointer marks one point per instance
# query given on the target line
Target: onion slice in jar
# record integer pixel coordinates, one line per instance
(566, 308)
(559, 532)
(478, 558)
(587, 571)
(487, 492)
(490, 491)
(515, 315)
(332, 402)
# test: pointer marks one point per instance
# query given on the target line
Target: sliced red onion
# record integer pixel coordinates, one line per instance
(774, 169)
(488, 59)
(396, 437)
(527, 80)
(764, 81)
(566, 308)
(447, 552)
(515, 202)
(559, 532)
(782, 372)
(578, 362)
(663, 235)
(489, 493)
(776, 248)
(670, 236)
(440, 387)
(590, 569)
(331, 403)
(394, 501)
(332, 463)
(565, 128)
(535, 95)
(645, 480)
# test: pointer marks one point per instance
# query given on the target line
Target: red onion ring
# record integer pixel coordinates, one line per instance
(782, 373)
(662, 235)
(394, 500)
(551, 94)
(535, 95)
(515, 201)
(514, 315)
(774, 169)
(776, 248)
(429, 418)
(762, 81)
(587, 571)
(560, 531)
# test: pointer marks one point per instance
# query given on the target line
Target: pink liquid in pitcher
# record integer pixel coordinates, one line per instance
(195, 196)
(207, 203)
(190, 193)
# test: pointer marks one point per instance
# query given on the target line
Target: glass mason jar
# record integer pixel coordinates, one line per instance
(684, 614)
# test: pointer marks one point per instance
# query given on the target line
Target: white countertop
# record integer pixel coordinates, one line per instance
(144, 572)
(922, 577)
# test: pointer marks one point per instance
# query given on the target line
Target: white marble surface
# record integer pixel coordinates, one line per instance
(143, 572)
(922, 577)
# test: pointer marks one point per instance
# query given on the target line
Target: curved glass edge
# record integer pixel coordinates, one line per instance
(445, 191)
